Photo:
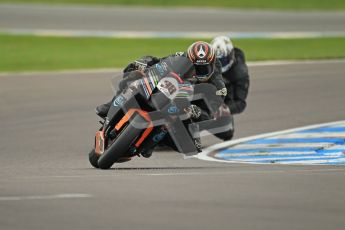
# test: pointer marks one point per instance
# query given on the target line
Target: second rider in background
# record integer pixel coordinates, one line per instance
(235, 76)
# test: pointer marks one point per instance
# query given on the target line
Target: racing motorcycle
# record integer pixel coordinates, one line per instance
(151, 108)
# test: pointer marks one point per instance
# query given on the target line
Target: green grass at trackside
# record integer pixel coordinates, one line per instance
(22, 53)
(245, 4)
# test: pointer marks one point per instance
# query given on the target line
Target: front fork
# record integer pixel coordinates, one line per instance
(99, 142)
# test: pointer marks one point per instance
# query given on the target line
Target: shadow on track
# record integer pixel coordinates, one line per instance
(158, 168)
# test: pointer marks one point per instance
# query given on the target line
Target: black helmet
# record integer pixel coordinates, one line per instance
(203, 57)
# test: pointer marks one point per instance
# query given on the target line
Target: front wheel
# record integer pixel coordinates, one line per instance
(121, 145)
(93, 158)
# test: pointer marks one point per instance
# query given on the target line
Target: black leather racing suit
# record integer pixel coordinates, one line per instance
(129, 75)
(216, 78)
(237, 82)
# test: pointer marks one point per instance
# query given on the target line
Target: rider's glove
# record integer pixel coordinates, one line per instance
(193, 111)
(137, 65)
(223, 111)
(129, 68)
(141, 66)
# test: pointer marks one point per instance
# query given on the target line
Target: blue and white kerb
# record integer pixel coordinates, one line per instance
(320, 144)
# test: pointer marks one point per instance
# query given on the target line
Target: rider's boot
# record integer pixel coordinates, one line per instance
(197, 143)
(195, 133)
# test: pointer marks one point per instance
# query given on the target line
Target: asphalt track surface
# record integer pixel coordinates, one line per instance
(47, 127)
(137, 19)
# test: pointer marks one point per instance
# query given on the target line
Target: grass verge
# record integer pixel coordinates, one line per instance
(244, 4)
(28, 53)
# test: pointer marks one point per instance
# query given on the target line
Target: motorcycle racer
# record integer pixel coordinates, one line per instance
(207, 70)
(235, 75)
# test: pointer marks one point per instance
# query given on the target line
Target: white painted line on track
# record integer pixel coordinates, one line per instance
(293, 62)
(63, 72)
(167, 34)
(46, 197)
(116, 70)
(281, 154)
(286, 145)
(300, 135)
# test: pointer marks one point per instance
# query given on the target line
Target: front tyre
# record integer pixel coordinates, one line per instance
(120, 147)
(93, 158)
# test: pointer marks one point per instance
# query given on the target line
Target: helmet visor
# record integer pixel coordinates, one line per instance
(203, 72)
(224, 60)
(227, 61)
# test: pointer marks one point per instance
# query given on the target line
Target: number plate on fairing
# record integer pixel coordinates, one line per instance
(169, 87)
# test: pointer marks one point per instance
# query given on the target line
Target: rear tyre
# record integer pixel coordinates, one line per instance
(93, 158)
(120, 147)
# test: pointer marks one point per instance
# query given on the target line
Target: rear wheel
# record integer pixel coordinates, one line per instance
(119, 149)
